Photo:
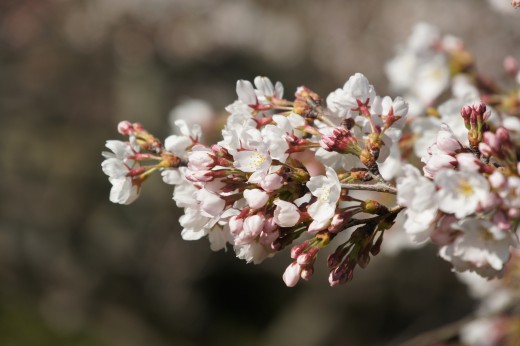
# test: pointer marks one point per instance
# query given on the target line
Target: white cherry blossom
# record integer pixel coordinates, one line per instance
(327, 189)
(342, 101)
(286, 213)
(417, 193)
(460, 192)
(481, 247)
(256, 198)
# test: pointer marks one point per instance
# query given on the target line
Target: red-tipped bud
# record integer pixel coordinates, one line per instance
(340, 140)
(480, 107)
(296, 251)
(492, 140)
(306, 273)
(503, 135)
(304, 259)
(465, 112)
(125, 128)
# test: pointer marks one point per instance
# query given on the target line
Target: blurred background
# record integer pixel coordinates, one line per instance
(78, 270)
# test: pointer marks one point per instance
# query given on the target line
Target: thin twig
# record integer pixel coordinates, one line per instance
(379, 187)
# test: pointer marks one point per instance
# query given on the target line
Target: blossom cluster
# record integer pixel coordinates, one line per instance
(467, 199)
(295, 172)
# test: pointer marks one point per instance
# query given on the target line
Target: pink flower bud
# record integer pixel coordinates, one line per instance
(341, 140)
(497, 180)
(469, 162)
(201, 160)
(256, 198)
(235, 225)
(339, 275)
(480, 107)
(306, 273)
(271, 182)
(446, 140)
(292, 274)
(296, 250)
(254, 224)
(270, 226)
(485, 149)
(503, 135)
(465, 112)
(491, 139)
(304, 259)
(125, 128)
(286, 214)
(338, 222)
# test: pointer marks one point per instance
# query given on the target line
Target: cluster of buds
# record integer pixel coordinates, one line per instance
(267, 183)
(288, 173)
(130, 163)
(467, 201)
(475, 121)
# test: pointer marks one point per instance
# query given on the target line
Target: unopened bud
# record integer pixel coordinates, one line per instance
(304, 259)
(125, 128)
(469, 162)
(503, 135)
(292, 274)
(497, 180)
(480, 107)
(306, 273)
(340, 140)
(235, 225)
(373, 207)
(296, 250)
(485, 149)
(492, 140)
(465, 112)
(338, 222)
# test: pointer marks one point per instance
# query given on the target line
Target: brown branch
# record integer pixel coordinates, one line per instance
(379, 187)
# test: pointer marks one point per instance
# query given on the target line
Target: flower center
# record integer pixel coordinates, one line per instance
(465, 188)
(325, 194)
(256, 160)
